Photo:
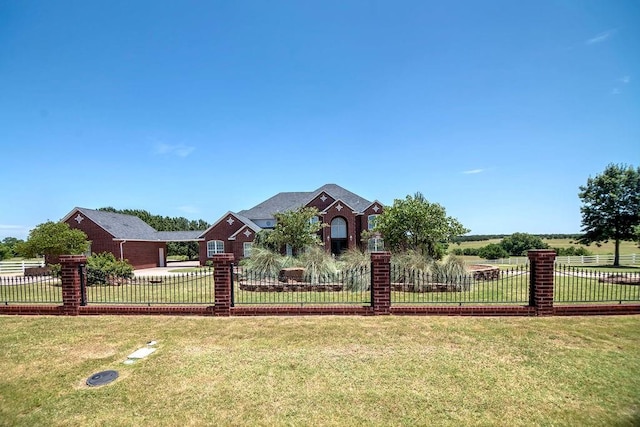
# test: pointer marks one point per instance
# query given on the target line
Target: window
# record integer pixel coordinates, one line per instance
(375, 244)
(214, 247)
(246, 249)
(314, 219)
(371, 221)
(339, 228)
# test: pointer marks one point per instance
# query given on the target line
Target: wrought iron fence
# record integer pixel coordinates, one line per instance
(588, 285)
(176, 289)
(494, 286)
(39, 289)
(302, 287)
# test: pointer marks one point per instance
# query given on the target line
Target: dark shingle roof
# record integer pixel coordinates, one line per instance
(283, 202)
(121, 226)
(178, 236)
(130, 227)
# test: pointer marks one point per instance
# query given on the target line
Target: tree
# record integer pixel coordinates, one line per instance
(492, 251)
(416, 224)
(5, 251)
(611, 206)
(518, 244)
(53, 239)
(298, 229)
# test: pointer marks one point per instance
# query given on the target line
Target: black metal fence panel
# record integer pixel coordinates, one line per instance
(175, 289)
(41, 289)
(509, 286)
(348, 287)
(594, 285)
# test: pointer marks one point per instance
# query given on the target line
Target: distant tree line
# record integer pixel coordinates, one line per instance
(517, 244)
(482, 237)
(9, 247)
(166, 223)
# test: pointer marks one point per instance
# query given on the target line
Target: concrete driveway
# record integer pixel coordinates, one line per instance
(165, 271)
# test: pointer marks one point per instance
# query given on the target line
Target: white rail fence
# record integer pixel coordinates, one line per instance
(631, 259)
(8, 267)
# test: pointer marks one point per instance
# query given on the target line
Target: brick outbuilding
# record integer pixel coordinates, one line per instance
(126, 236)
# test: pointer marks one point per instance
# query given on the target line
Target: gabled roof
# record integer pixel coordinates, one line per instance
(283, 202)
(130, 227)
(120, 226)
(246, 221)
(244, 227)
(339, 204)
(358, 203)
(375, 202)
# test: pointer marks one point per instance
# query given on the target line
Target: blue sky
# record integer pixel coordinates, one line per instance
(498, 110)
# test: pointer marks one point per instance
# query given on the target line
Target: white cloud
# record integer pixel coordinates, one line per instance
(599, 38)
(625, 79)
(473, 171)
(179, 150)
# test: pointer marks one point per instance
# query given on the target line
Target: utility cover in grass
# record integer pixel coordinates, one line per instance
(102, 378)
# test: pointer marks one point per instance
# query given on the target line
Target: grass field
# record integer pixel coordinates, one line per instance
(322, 371)
(626, 247)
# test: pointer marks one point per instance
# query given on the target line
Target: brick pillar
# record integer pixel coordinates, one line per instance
(541, 280)
(222, 283)
(70, 276)
(381, 282)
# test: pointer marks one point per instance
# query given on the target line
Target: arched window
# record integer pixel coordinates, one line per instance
(338, 228)
(214, 247)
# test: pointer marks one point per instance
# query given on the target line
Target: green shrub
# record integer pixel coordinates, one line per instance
(572, 251)
(104, 268)
(492, 251)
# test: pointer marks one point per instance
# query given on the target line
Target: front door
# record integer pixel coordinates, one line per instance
(339, 234)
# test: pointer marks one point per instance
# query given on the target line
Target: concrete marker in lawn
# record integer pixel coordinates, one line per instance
(141, 353)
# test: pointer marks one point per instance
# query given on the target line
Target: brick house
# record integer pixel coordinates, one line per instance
(126, 236)
(346, 214)
(129, 238)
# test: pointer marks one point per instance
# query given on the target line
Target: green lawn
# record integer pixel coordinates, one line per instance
(626, 247)
(338, 371)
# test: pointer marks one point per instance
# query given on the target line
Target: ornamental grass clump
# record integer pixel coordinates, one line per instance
(355, 266)
(265, 263)
(317, 264)
(410, 267)
(451, 271)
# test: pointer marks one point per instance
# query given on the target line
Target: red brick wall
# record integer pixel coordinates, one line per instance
(138, 254)
(221, 231)
(143, 254)
(352, 229)
(319, 204)
(245, 235)
(101, 241)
